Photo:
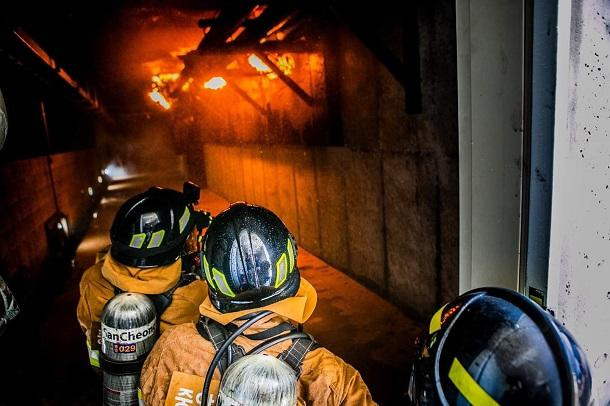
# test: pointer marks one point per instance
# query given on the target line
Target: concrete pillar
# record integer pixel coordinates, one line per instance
(490, 60)
(579, 263)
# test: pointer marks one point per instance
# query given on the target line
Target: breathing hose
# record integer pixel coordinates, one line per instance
(222, 349)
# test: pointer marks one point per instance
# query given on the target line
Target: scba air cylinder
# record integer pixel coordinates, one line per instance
(129, 331)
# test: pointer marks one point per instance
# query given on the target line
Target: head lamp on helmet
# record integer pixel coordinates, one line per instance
(495, 346)
(249, 259)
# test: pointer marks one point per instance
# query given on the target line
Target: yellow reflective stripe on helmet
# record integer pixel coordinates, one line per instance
(468, 387)
(221, 283)
(290, 250)
(137, 240)
(184, 219)
(435, 323)
(206, 268)
(281, 270)
(156, 239)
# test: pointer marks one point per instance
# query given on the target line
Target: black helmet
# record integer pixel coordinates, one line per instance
(495, 346)
(249, 259)
(150, 229)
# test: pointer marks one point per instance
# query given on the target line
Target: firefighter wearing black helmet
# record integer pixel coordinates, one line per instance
(154, 251)
(494, 346)
(256, 302)
(252, 257)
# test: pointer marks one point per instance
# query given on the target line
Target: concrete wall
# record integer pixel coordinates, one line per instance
(490, 60)
(27, 203)
(579, 265)
(383, 207)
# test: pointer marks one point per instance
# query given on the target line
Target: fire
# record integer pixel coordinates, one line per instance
(160, 88)
(215, 83)
(162, 79)
(235, 34)
(257, 64)
(187, 85)
(257, 11)
(159, 99)
(284, 62)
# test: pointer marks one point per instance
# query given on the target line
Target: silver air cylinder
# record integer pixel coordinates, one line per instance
(129, 331)
(258, 380)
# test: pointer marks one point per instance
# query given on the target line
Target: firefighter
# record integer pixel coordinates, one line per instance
(494, 346)
(153, 252)
(256, 302)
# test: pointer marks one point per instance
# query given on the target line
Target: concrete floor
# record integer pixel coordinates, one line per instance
(350, 320)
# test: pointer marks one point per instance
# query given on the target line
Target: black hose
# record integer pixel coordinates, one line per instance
(222, 349)
(270, 343)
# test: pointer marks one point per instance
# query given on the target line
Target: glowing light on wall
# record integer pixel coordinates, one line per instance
(115, 171)
(159, 99)
(215, 83)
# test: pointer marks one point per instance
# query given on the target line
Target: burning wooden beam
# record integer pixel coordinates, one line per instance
(229, 19)
(303, 95)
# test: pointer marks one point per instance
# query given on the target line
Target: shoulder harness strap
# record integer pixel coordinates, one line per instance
(217, 334)
(294, 356)
(296, 353)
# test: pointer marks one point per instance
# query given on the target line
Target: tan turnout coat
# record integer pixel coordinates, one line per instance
(325, 379)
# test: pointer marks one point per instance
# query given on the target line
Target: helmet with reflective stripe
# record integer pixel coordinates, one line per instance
(495, 346)
(249, 259)
(150, 229)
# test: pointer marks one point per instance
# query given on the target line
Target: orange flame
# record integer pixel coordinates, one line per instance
(258, 64)
(163, 78)
(215, 83)
(257, 11)
(159, 99)
(235, 34)
(286, 63)
(187, 85)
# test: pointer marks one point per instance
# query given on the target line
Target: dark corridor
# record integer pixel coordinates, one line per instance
(340, 118)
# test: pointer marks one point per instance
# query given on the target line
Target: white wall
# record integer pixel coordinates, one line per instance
(579, 264)
(490, 59)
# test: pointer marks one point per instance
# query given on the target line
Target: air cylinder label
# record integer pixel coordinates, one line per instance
(128, 336)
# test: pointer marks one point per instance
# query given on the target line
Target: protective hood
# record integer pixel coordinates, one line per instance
(297, 308)
(149, 281)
